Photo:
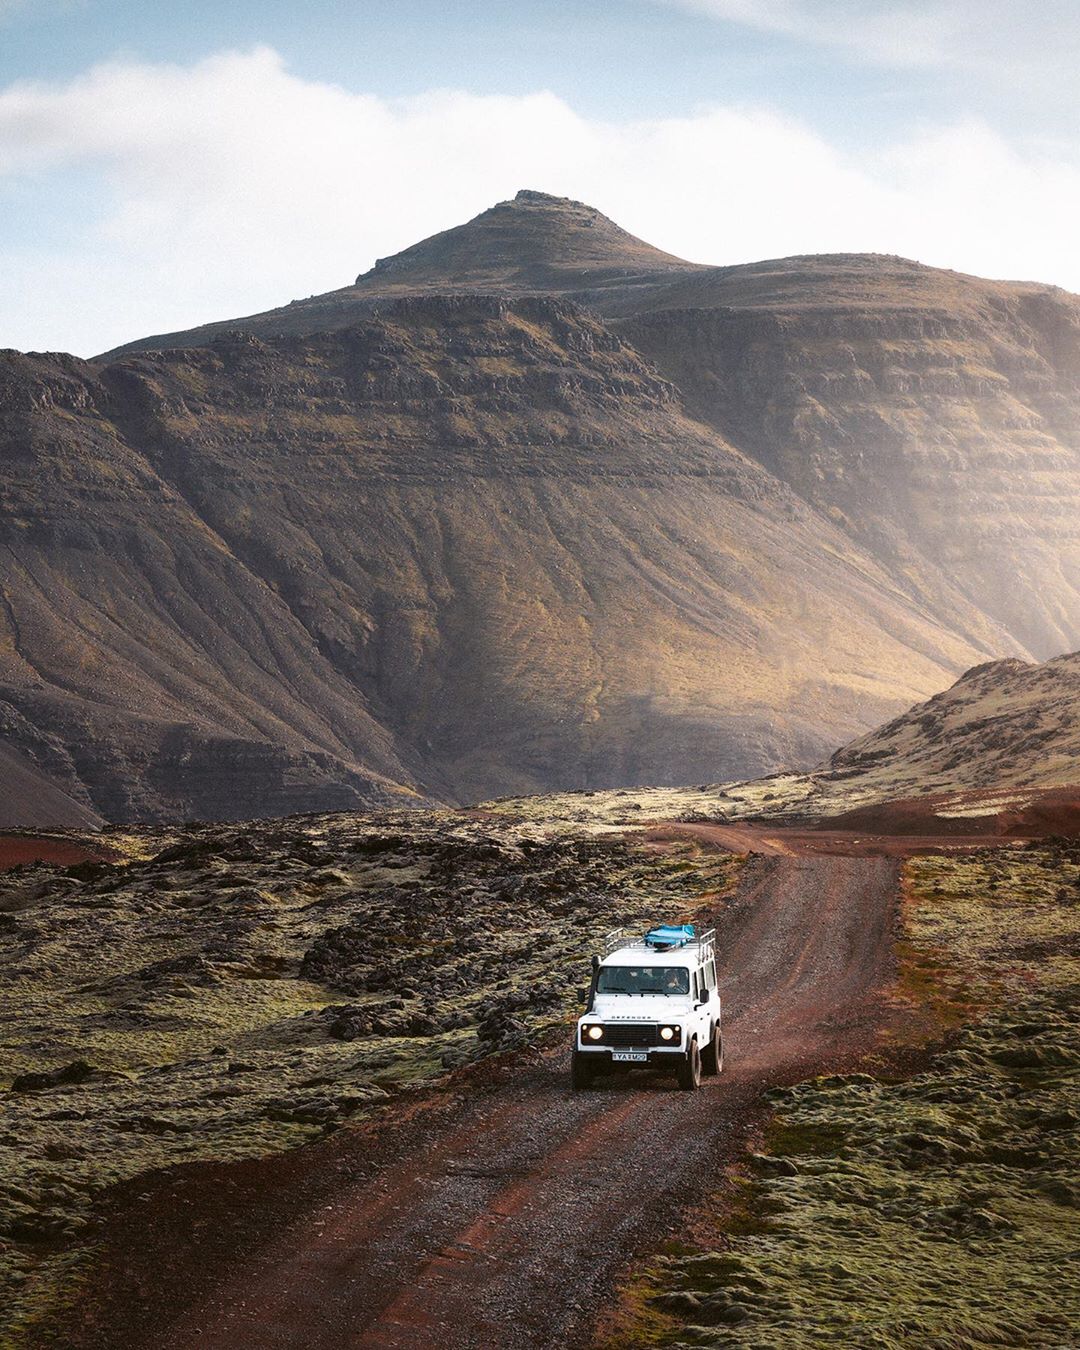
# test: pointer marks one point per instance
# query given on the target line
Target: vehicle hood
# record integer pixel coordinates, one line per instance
(641, 1007)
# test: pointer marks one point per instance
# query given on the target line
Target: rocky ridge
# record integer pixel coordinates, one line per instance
(1002, 743)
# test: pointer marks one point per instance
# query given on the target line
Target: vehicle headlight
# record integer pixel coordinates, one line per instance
(669, 1033)
(594, 1033)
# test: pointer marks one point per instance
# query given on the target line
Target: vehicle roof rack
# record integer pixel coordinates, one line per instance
(664, 937)
(612, 940)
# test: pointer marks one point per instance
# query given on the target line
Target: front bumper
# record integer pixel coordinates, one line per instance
(628, 1056)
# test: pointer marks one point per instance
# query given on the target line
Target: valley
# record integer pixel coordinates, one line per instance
(362, 661)
(323, 1088)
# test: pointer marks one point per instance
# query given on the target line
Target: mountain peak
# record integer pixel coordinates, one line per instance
(534, 238)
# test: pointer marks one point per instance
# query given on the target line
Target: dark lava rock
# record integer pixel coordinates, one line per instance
(191, 851)
(77, 1072)
(92, 871)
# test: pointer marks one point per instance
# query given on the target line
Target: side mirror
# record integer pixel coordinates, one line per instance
(583, 993)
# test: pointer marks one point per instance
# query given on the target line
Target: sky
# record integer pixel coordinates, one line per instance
(163, 165)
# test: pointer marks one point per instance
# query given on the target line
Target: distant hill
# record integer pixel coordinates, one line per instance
(1004, 724)
(996, 753)
(530, 505)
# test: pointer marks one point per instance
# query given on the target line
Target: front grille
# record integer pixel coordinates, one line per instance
(631, 1033)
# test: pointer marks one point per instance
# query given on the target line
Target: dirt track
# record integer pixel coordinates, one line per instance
(502, 1218)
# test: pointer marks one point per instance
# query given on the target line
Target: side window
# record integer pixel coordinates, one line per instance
(699, 987)
(710, 975)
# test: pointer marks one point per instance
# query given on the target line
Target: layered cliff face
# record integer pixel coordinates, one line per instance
(142, 665)
(437, 535)
(935, 418)
(471, 546)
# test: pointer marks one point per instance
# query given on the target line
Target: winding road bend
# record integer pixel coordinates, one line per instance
(502, 1219)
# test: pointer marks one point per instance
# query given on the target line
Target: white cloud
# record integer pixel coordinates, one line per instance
(919, 34)
(183, 194)
(992, 36)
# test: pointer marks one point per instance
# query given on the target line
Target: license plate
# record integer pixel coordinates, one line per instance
(630, 1056)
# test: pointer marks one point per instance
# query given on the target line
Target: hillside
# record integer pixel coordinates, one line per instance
(30, 797)
(997, 752)
(467, 547)
(667, 523)
(933, 417)
(1001, 725)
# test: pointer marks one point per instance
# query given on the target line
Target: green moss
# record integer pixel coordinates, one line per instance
(941, 1211)
(183, 986)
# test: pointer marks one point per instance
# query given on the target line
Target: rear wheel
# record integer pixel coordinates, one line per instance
(712, 1058)
(581, 1071)
(690, 1069)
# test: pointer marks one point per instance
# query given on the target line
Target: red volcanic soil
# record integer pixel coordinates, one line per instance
(1001, 814)
(787, 840)
(16, 849)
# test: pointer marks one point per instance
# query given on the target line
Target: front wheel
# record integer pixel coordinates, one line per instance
(581, 1071)
(690, 1069)
(712, 1060)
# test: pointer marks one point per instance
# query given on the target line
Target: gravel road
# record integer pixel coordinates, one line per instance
(501, 1217)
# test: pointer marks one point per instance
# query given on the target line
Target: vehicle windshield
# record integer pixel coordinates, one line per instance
(643, 980)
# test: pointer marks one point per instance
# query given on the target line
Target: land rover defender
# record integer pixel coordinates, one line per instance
(652, 1003)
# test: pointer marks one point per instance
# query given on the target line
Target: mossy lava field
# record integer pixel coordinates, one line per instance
(224, 992)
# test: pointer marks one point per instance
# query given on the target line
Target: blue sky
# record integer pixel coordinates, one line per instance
(164, 164)
(630, 59)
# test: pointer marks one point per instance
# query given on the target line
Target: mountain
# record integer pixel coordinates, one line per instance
(472, 545)
(933, 417)
(1001, 725)
(530, 505)
(533, 244)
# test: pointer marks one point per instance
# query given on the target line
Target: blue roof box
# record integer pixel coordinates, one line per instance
(668, 935)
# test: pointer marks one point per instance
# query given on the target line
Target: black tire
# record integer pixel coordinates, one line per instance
(581, 1071)
(690, 1069)
(712, 1057)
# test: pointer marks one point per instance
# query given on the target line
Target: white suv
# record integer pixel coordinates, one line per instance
(652, 1003)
